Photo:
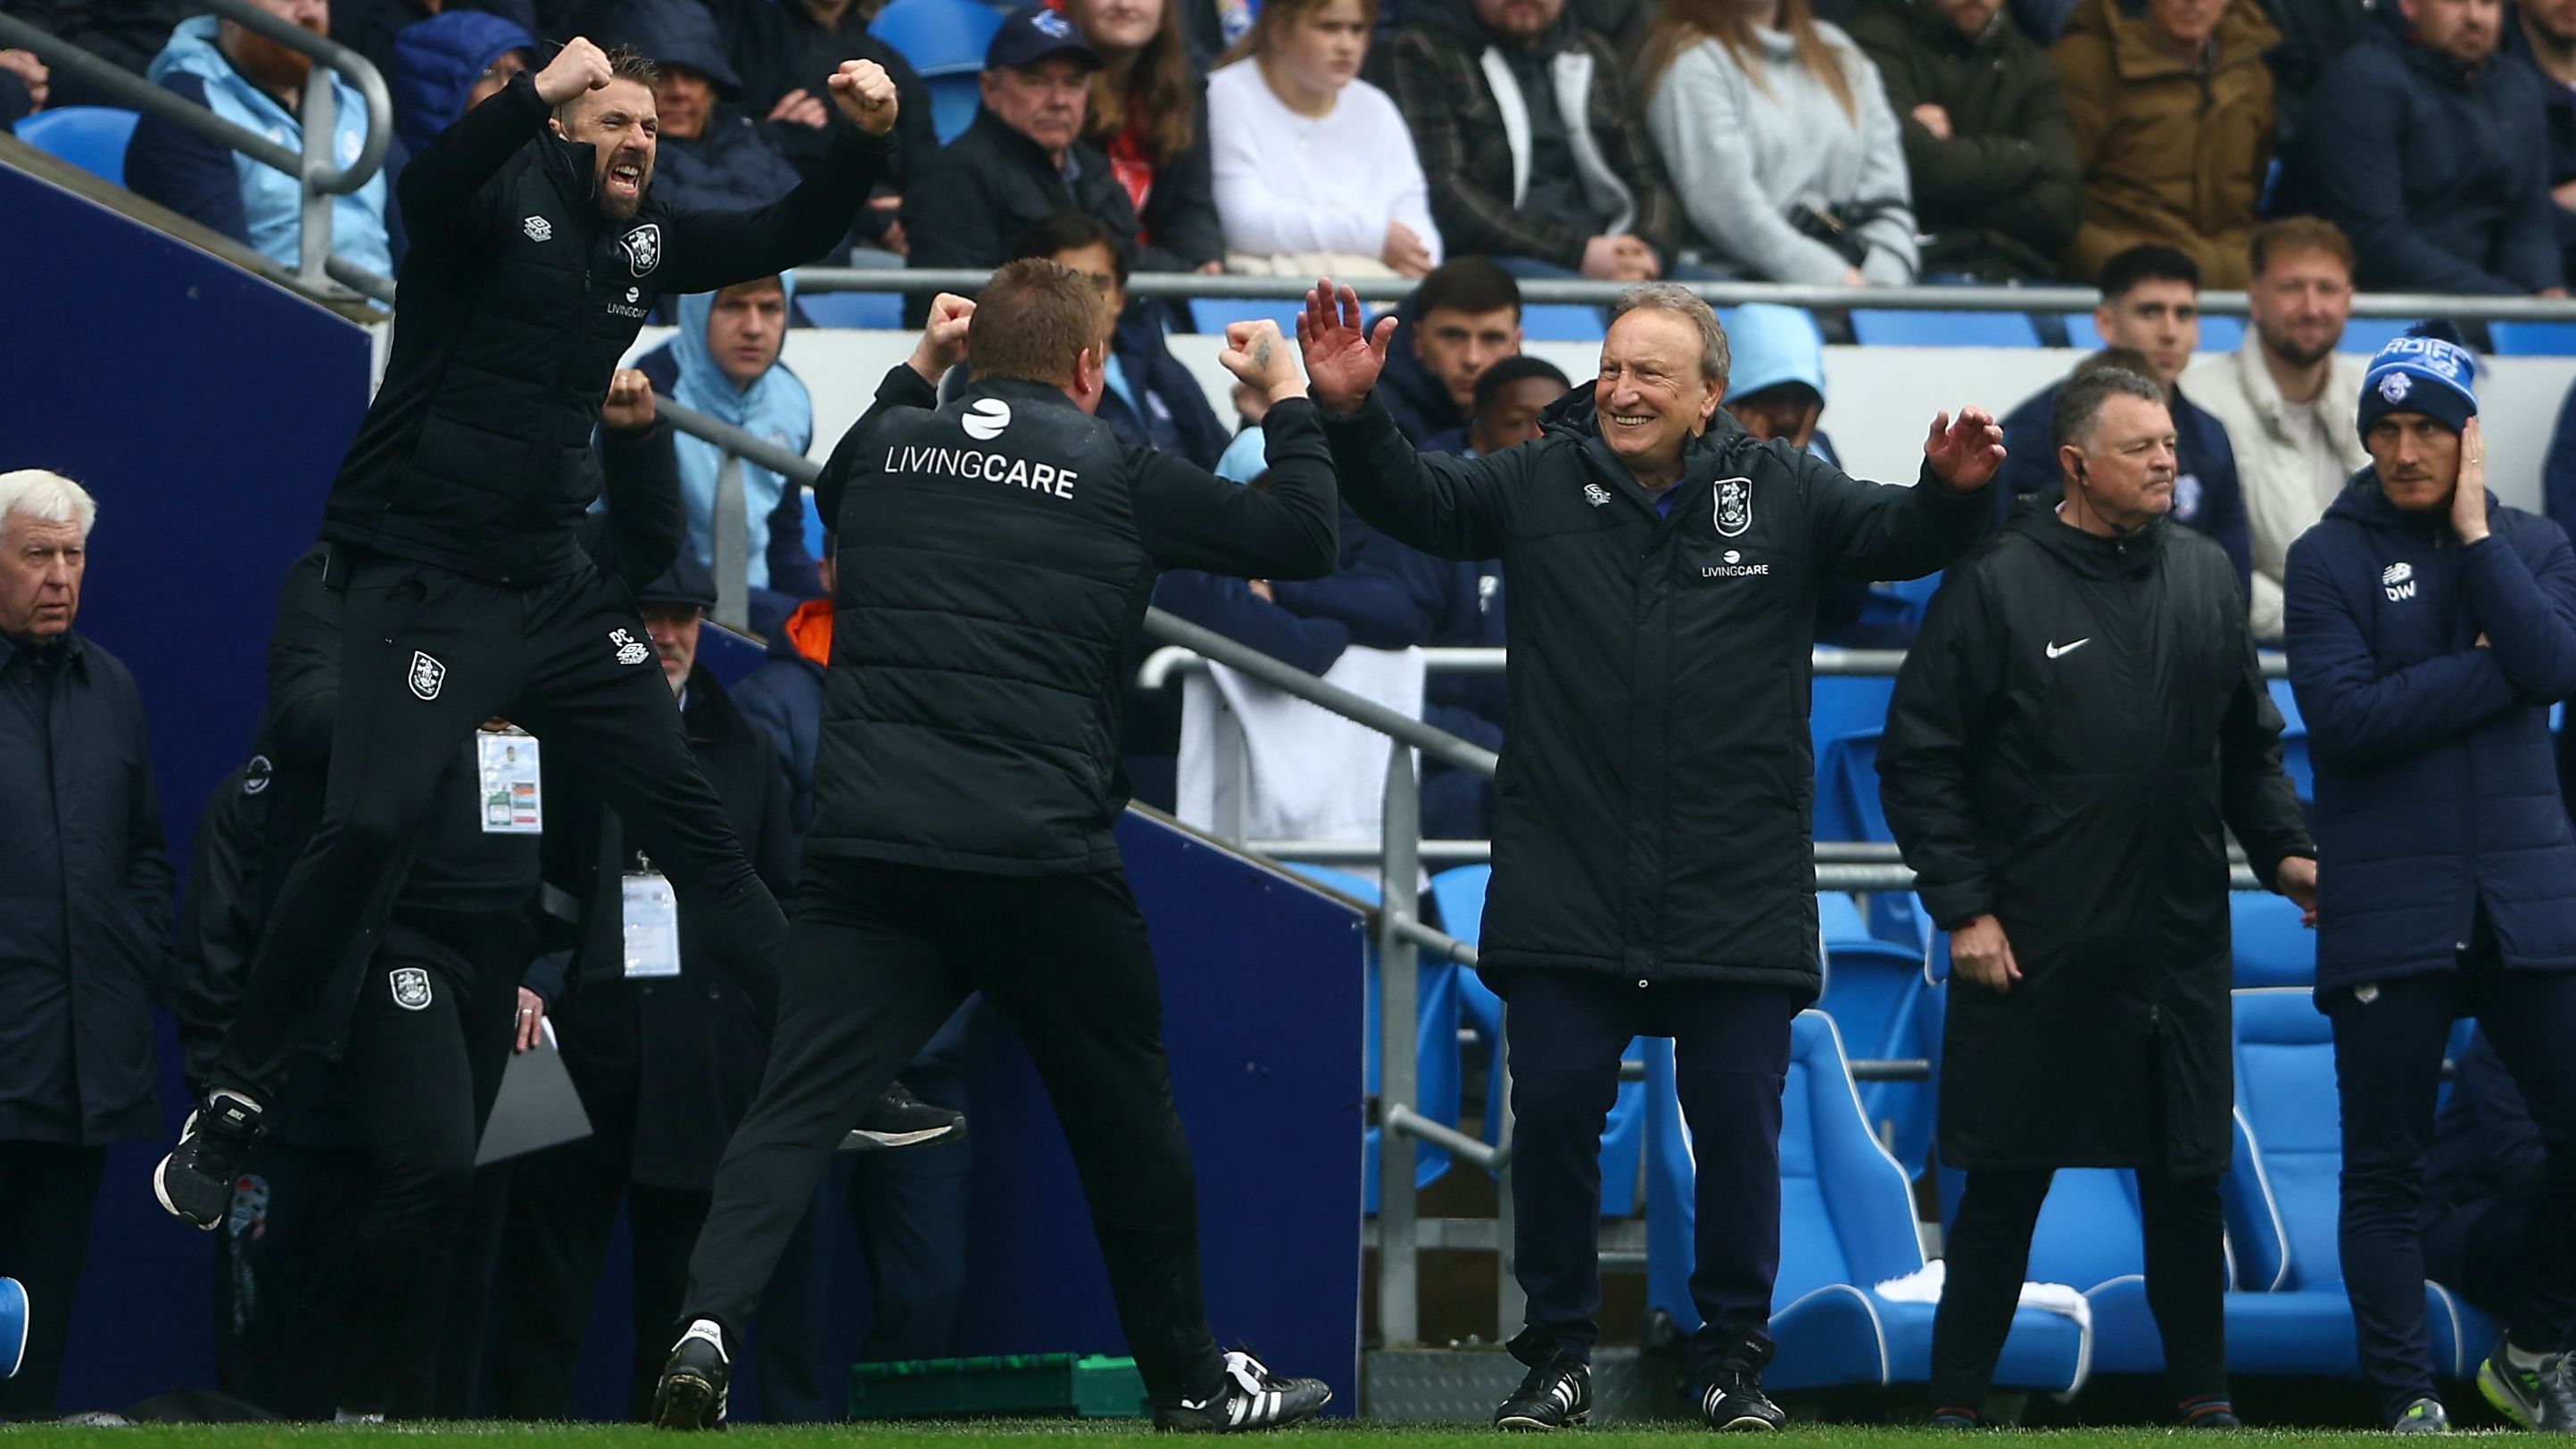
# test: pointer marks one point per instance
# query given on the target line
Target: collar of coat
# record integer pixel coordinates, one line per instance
(2242, 36)
(2088, 554)
(70, 646)
(1573, 416)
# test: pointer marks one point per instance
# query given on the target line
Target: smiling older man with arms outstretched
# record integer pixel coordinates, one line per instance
(1652, 871)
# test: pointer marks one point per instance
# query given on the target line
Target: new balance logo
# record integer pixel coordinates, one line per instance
(2397, 581)
(2060, 651)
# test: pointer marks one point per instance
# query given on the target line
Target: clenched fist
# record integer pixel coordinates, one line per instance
(630, 401)
(580, 66)
(865, 94)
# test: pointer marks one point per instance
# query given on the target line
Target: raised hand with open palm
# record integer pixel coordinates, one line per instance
(1343, 352)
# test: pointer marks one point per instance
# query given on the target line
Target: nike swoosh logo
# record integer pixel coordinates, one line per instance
(2060, 651)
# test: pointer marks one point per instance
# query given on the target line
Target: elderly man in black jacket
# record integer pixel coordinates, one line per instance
(84, 915)
(2077, 727)
(1652, 871)
(454, 520)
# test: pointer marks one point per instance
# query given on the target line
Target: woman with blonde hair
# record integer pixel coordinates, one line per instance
(1316, 174)
(1780, 142)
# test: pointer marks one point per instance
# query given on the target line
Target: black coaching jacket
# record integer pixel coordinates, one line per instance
(2076, 729)
(518, 297)
(996, 556)
(1654, 799)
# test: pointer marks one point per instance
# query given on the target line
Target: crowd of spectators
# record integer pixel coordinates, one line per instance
(1853, 142)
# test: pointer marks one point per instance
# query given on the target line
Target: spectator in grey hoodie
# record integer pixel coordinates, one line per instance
(1779, 139)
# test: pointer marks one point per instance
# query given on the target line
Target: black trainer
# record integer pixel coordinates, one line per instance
(1249, 1397)
(1555, 1395)
(195, 1182)
(2541, 1398)
(2209, 1411)
(692, 1392)
(1734, 1402)
(900, 1119)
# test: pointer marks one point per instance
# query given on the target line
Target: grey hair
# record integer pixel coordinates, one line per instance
(47, 497)
(2077, 415)
(1674, 299)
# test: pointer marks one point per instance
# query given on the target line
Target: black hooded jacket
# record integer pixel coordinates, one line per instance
(996, 556)
(1657, 782)
(2075, 731)
(518, 298)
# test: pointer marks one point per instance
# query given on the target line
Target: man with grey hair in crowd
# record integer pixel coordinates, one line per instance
(2076, 729)
(86, 902)
(1648, 879)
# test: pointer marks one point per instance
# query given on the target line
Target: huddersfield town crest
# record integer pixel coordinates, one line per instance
(427, 675)
(643, 247)
(1734, 506)
(411, 988)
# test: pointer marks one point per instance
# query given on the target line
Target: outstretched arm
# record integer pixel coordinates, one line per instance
(712, 249)
(1882, 531)
(441, 189)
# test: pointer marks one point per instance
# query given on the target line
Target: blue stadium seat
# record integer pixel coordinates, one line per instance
(2294, 741)
(2533, 339)
(13, 1326)
(1212, 315)
(1842, 704)
(1882, 327)
(813, 525)
(1872, 990)
(883, 310)
(1901, 601)
(90, 137)
(1560, 322)
(2217, 333)
(1846, 1226)
(2272, 948)
(1847, 804)
(954, 99)
(940, 37)
(2282, 1204)
(2367, 335)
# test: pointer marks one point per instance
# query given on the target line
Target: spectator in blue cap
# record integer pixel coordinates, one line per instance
(449, 64)
(2430, 628)
(712, 154)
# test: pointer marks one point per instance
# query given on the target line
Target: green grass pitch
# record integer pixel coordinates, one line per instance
(1037, 1434)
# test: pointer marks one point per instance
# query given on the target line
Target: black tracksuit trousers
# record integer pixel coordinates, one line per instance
(1988, 1248)
(426, 656)
(878, 957)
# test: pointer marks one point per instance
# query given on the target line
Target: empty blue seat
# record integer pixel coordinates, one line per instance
(1846, 1226)
(2533, 339)
(2366, 335)
(1847, 803)
(2272, 947)
(1213, 315)
(883, 310)
(939, 37)
(1560, 322)
(1842, 704)
(2217, 333)
(92, 138)
(13, 1326)
(954, 99)
(1883, 327)
(2282, 1202)
(1872, 990)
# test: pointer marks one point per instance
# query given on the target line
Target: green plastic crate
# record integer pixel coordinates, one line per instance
(1027, 1385)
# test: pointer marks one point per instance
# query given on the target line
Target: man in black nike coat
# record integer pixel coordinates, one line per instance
(2075, 730)
(1652, 868)
(452, 534)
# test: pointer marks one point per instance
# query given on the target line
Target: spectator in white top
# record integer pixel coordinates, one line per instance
(1315, 173)
(1777, 134)
(2287, 398)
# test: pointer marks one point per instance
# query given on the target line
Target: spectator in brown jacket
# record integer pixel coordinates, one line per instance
(1546, 189)
(2172, 109)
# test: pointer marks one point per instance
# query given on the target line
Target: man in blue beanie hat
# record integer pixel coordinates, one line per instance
(2429, 629)
(449, 64)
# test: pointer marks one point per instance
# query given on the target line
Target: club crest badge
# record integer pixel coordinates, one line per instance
(2395, 386)
(1734, 512)
(427, 675)
(411, 988)
(643, 247)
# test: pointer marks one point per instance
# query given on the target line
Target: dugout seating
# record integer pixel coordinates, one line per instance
(13, 1326)
(1874, 991)
(1846, 1227)
(2282, 1199)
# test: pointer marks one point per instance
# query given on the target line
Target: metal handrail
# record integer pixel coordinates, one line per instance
(1159, 667)
(322, 176)
(2409, 305)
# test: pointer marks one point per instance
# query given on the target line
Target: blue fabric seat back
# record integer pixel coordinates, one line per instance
(880, 310)
(13, 1326)
(2366, 335)
(941, 38)
(2272, 948)
(954, 99)
(1842, 704)
(1847, 803)
(2217, 334)
(1558, 322)
(1880, 327)
(1872, 989)
(2533, 339)
(2089, 1229)
(2285, 1096)
(92, 138)
(1211, 315)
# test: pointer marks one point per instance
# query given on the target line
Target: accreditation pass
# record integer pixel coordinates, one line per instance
(512, 802)
(652, 926)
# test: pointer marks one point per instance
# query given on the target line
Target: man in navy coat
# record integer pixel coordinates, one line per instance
(2429, 629)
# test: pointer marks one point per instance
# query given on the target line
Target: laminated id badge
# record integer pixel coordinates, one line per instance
(652, 926)
(511, 805)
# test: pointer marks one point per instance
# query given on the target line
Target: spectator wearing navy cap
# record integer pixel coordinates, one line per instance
(1023, 160)
(448, 65)
(2430, 627)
